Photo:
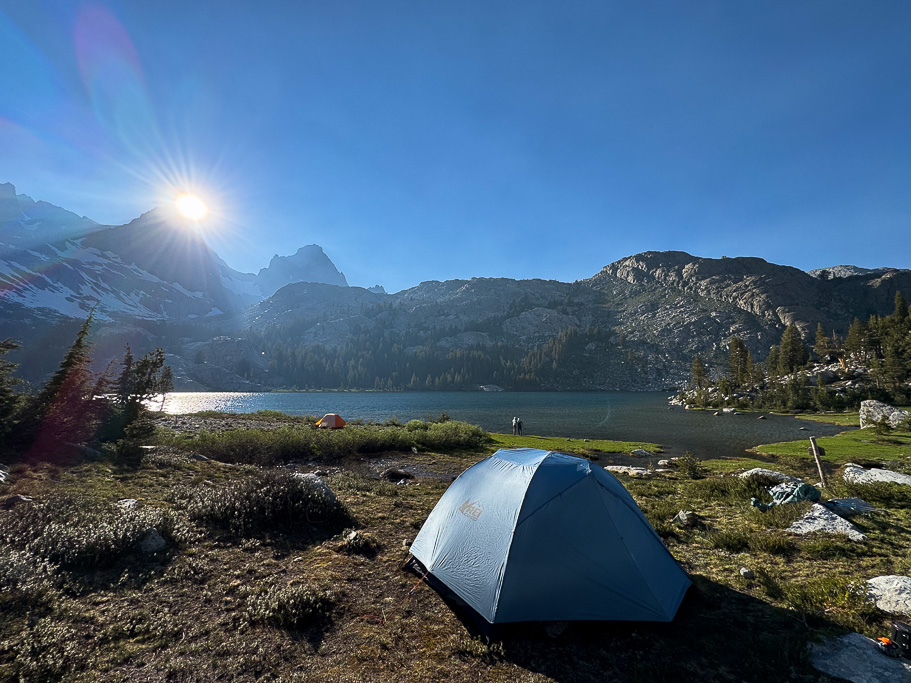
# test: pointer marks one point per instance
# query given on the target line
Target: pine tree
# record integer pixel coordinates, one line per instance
(823, 346)
(792, 354)
(771, 361)
(697, 372)
(739, 363)
(10, 400)
(63, 411)
(901, 307)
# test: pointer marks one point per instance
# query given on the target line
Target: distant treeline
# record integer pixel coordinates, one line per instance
(387, 360)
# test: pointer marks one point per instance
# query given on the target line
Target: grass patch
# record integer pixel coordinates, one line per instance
(849, 419)
(845, 447)
(573, 446)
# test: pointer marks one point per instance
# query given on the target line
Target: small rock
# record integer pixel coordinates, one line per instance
(891, 594)
(748, 574)
(584, 440)
(352, 536)
(716, 413)
(321, 473)
(402, 482)
(406, 543)
(197, 456)
(3, 476)
(770, 474)
(803, 429)
(685, 518)
(127, 503)
(641, 453)
(152, 542)
(761, 417)
(665, 463)
(13, 501)
(414, 450)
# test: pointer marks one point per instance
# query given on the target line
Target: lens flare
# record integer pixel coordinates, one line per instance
(191, 206)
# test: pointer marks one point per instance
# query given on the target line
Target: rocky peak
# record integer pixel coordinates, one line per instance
(308, 264)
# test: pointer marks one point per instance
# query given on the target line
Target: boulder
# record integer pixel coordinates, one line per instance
(855, 474)
(641, 453)
(821, 520)
(856, 658)
(127, 503)
(152, 542)
(685, 518)
(317, 484)
(763, 473)
(748, 574)
(665, 463)
(872, 412)
(891, 594)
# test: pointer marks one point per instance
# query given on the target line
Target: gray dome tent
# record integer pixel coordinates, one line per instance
(531, 535)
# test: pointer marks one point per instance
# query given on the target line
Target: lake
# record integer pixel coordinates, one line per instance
(624, 416)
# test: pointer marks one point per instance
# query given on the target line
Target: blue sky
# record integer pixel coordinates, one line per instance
(430, 140)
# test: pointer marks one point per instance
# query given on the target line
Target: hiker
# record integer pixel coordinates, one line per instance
(519, 425)
(515, 425)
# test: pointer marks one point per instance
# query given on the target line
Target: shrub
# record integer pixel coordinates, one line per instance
(356, 542)
(417, 425)
(290, 607)
(271, 500)
(48, 651)
(689, 466)
(78, 533)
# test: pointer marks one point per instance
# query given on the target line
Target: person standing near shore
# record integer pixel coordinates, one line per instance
(515, 425)
(519, 426)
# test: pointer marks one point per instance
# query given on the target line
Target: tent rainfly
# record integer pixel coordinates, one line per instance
(330, 421)
(531, 535)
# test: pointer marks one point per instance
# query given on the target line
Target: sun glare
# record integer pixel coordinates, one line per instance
(191, 206)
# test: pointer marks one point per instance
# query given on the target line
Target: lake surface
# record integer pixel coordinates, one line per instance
(624, 416)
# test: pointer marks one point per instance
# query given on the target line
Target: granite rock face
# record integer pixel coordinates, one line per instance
(855, 474)
(821, 520)
(872, 412)
(891, 594)
(856, 658)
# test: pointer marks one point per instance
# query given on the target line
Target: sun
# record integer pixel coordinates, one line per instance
(191, 206)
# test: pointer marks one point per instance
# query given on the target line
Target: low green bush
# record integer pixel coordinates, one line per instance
(290, 607)
(356, 542)
(270, 500)
(688, 466)
(299, 442)
(81, 533)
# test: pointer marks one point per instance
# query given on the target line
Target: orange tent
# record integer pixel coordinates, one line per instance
(330, 421)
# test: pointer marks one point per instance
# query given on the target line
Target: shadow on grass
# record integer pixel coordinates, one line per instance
(718, 634)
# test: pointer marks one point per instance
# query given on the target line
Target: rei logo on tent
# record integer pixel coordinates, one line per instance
(471, 510)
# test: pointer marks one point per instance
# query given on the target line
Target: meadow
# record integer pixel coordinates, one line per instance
(263, 576)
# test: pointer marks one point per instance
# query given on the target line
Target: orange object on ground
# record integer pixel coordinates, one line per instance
(330, 421)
